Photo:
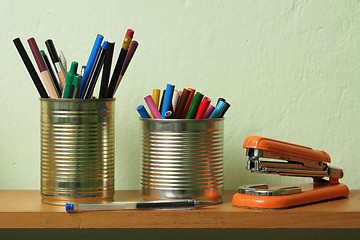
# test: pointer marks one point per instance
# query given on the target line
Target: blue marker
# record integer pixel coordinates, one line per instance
(167, 105)
(90, 63)
(142, 111)
(220, 99)
(218, 110)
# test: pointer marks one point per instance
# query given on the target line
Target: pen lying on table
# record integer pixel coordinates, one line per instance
(150, 205)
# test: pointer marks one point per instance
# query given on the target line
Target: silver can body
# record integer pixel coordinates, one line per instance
(77, 150)
(182, 159)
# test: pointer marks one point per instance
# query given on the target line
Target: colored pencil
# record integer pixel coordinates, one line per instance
(41, 65)
(63, 60)
(51, 72)
(120, 62)
(106, 70)
(30, 67)
(129, 55)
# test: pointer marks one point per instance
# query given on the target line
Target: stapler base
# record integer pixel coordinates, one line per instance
(310, 192)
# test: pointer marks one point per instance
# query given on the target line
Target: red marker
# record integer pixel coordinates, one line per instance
(202, 108)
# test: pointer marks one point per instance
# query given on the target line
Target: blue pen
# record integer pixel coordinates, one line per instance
(167, 100)
(90, 63)
(218, 110)
(142, 111)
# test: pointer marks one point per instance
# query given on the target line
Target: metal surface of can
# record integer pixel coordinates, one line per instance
(77, 150)
(182, 159)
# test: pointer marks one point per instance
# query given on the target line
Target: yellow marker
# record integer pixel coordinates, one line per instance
(156, 97)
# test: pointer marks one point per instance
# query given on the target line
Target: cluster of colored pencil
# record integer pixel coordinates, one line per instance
(185, 104)
(73, 84)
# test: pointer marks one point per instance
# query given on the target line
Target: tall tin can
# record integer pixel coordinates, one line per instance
(182, 158)
(77, 150)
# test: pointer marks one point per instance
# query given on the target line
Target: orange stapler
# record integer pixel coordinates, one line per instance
(288, 160)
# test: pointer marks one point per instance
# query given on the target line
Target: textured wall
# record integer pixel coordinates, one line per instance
(290, 69)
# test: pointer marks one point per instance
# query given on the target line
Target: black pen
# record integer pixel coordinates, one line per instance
(107, 68)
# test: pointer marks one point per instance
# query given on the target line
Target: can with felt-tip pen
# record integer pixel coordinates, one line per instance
(182, 159)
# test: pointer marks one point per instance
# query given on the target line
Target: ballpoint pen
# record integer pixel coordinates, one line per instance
(150, 205)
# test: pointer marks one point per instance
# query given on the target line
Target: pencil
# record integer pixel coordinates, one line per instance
(120, 62)
(56, 61)
(129, 55)
(183, 99)
(95, 71)
(43, 71)
(106, 70)
(51, 72)
(188, 103)
(30, 67)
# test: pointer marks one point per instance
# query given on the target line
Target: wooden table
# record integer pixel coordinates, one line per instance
(23, 209)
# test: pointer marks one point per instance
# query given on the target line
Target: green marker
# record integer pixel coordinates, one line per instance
(71, 81)
(194, 105)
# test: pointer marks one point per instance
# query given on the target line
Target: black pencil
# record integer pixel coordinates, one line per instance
(95, 71)
(106, 70)
(30, 67)
(119, 64)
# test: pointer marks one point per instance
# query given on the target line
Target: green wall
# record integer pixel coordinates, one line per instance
(290, 70)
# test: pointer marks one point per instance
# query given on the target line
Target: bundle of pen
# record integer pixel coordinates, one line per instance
(73, 84)
(185, 104)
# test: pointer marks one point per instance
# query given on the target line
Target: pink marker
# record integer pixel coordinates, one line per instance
(208, 111)
(152, 106)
